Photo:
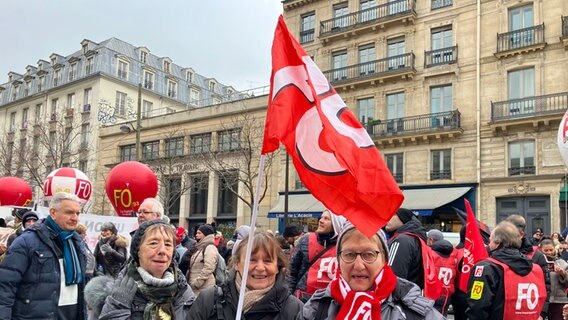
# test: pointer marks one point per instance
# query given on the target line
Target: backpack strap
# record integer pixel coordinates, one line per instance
(323, 307)
(218, 296)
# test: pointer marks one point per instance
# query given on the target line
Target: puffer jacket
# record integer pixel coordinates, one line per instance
(111, 261)
(275, 305)
(405, 302)
(98, 296)
(405, 252)
(30, 276)
(202, 264)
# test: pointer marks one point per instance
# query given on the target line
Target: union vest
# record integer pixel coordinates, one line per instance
(524, 296)
(447, 269)
(322, 271)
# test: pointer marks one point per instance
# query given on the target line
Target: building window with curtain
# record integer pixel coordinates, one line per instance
(521, 158)
(308, 27)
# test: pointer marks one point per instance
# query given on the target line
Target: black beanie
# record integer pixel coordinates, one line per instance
(19, 213)
(139, 234)
(206, 229)
(404, 215)
(30, 215)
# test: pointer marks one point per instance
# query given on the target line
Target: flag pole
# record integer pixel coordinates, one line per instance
(251, 237)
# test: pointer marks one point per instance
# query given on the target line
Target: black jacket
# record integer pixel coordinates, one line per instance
(276, 304)
(490, 305)
(405, 252)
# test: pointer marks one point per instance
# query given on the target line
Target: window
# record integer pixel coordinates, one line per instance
(174, 147)
(120, 107)
(52, 143)
(15, 92)
(199, 192)
(56, 77)
(212, 85)
(395, 112)
(90, 65)
(27, 88)
(148, 80)
(368, 10)
(521, 86)
(442, 38)
(54, 107)
(396, 48)
(40, 84)
(167, 66)
(298, 184)
(85, 135)
(12, 121)
(308, 27)
(151, 150)
(441, 165)
(394, 163)
(339, 63)
(143, 56)
(83, 166)
(441, 99)
(128, 153)
(122, 71)
(436, 4)
(147, 108)
(521, 17)
(366, 109)
(521, 158)
(189, 76)
(200, 143)
(9, 154)
(172, 88)
(25, 113)
(72, 71)
(340, 12)
(70, 101)
(87, 94)
(173, 190)
(229, 140)
(38, 115)
(228, 188)
(67, 139)
(367, 57)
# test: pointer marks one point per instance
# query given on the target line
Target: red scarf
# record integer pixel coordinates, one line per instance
(362, 305)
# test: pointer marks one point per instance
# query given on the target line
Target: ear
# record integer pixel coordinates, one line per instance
(52, 212)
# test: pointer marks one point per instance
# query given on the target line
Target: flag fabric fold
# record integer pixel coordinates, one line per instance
(474, 248)
(333, 154)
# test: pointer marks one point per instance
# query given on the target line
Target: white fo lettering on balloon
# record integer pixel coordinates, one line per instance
(310, 125)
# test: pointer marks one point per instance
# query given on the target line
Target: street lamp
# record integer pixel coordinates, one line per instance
(128, 127)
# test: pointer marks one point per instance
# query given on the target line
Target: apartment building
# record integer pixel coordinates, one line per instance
(50, 115)
(463, 98)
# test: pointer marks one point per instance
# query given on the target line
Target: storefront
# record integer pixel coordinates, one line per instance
(303, 210)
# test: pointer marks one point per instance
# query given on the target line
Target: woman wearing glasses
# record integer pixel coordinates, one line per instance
(365, 286)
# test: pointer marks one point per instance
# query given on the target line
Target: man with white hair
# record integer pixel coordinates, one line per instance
(43, 273)
(150, 209)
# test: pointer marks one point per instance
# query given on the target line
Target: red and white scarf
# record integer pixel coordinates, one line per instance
(362, 305)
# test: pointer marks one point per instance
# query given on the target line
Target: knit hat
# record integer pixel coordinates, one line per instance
(30, 215)
(19, 213)
(404, 215)
(348, 226)
(206, 229)
(435, 235)
(180, 234)
(139, 234)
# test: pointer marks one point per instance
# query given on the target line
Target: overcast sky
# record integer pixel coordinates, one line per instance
(229, 40)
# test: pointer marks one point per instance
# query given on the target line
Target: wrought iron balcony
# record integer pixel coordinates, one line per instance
(373, 69)
(556, 103)
(442, 56)
(415, 124)
(440, 174)
(382, 13)
(519, 171)
(437, 4)
(522, 38)
(307, 36)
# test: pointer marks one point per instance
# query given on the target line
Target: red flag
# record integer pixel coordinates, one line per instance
(474, 248)
(332, 152)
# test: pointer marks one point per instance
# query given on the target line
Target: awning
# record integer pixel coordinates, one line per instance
(564, 193)
(299, 206)
(424, 201)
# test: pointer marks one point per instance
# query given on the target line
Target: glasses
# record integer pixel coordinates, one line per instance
(367, 256)
(144, 212)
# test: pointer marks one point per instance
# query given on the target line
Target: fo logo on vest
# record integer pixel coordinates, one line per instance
(327, 266)
(528, 292)
(445, 275)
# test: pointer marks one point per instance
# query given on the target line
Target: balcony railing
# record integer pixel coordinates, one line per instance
(564, 27)
(440, 174)
(519, 171)
(437, 4)
(396, 64)
(521, 38)
(307, 36)
(380, 12)
(442, 56)
(531, 106)
(415, 124)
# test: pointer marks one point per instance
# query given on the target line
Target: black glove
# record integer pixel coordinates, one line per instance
(124, 290)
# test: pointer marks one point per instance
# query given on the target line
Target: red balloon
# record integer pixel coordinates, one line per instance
(15, 192)
(128, 184)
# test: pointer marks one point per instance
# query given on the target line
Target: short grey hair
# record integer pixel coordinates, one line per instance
(57, 198)
(506, 235)
(518, 221)
(157, 206)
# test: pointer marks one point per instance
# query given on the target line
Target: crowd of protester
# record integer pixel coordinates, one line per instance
(168, 272)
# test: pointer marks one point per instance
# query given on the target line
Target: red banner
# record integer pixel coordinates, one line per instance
(474, 248)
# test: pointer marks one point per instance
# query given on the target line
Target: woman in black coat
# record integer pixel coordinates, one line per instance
(266, 295)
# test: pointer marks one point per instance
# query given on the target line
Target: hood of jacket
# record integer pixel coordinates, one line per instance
(519, 263)
(413, 226)
(443, 247)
